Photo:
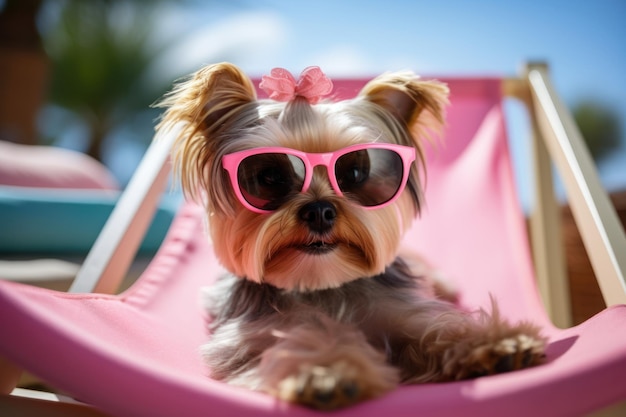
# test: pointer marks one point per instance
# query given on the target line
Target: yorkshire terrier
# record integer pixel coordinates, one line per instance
(307, 201)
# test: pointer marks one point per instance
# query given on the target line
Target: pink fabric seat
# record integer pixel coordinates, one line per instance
(137, 354)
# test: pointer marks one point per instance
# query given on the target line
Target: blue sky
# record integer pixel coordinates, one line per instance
(584, 43)
(582, 40)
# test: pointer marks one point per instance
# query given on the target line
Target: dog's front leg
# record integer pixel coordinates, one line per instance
(325, 365)
(453, 345)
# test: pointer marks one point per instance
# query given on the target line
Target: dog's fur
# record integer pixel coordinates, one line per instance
(334, 328)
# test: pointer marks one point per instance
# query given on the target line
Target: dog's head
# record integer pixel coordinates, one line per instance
(298, 195)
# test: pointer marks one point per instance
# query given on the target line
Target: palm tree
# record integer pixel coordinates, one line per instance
(100, 52)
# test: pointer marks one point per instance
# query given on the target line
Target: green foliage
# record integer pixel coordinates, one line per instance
(600, 127)
(100, 52)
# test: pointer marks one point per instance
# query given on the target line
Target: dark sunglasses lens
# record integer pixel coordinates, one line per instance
(267, 180)
(370, 176)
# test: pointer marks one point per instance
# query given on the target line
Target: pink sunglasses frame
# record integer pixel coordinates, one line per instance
(231, 162)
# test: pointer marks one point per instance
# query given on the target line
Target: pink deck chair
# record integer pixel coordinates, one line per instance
(137, 353)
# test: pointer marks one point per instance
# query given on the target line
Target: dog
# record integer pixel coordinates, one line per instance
(307, 201)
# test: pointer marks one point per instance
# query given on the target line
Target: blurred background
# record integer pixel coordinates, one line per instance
(82, 75)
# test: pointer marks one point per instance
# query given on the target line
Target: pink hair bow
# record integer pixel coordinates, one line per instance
(280, 85)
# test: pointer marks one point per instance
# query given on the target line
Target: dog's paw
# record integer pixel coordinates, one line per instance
(331, 387)
(322, 387)
(502, 355)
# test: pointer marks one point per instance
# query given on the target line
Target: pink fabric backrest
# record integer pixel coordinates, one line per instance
(472, 227)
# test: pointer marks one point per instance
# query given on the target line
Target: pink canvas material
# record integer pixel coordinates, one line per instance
(137, 354)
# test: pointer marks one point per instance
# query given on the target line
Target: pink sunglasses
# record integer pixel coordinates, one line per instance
(371, 174)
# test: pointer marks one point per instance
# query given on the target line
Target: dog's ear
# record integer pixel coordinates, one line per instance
(208, 97)
(418, 105)
(207, 104)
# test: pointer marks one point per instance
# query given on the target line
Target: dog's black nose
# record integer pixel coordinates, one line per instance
(318, 215)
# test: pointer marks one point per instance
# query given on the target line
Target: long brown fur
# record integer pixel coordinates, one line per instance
(328, 329)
